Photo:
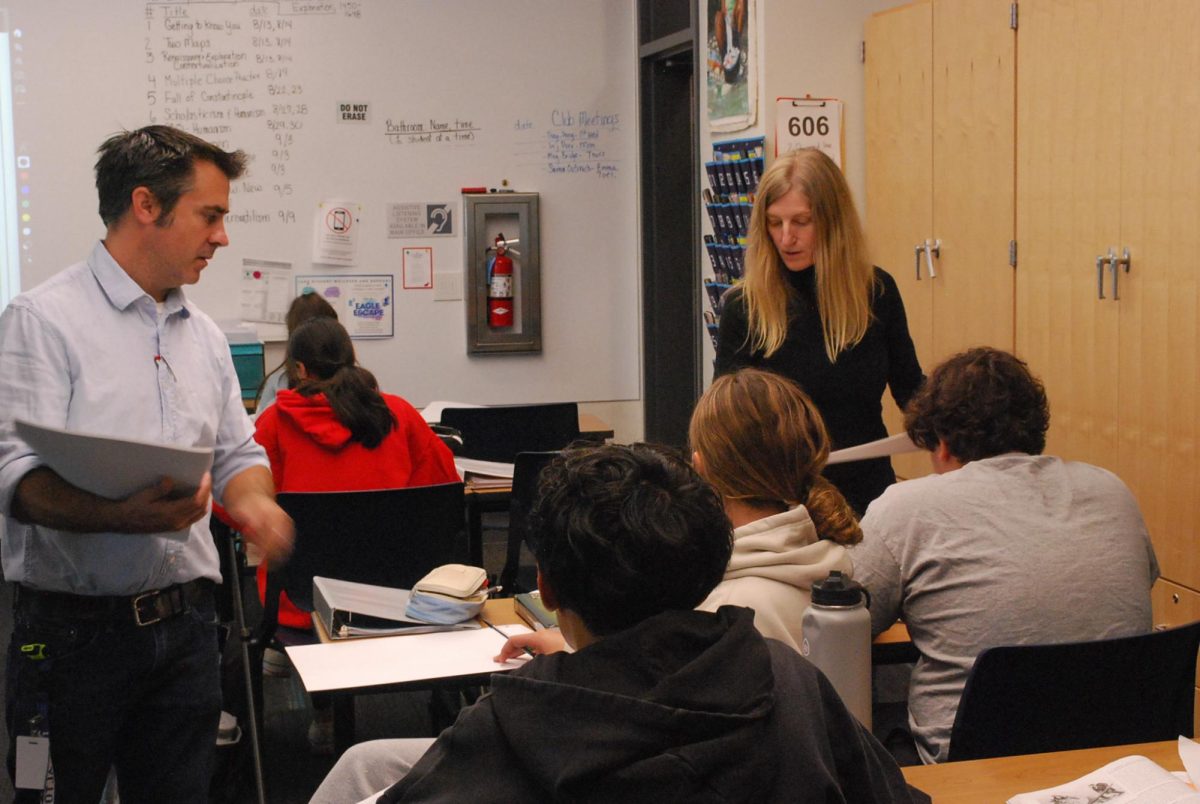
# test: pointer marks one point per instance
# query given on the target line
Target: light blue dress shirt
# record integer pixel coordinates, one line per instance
(88, 351)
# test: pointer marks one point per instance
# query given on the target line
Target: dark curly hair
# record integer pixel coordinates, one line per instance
(981, 402)
(622, 533)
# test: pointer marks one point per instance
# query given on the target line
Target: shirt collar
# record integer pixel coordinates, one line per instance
(120, 288)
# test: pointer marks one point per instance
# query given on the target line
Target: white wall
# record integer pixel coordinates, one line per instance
(522, 79)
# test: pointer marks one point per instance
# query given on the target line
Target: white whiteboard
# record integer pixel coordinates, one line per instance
(499, 83)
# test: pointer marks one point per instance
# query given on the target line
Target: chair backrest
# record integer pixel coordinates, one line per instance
(391, 537)
(499, 433)
(526, 469)
(1028, 699)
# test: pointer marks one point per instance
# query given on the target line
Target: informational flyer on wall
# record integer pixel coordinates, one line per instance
(423, 219)
(266, 290)
(363, 302)
(336, 228)
(417, 268)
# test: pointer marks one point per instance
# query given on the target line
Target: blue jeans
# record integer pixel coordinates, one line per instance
(143, 699)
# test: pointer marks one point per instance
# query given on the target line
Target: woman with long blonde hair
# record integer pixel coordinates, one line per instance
(814, 309)
(760, 442)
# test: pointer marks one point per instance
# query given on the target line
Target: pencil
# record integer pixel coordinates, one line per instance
(528, 652)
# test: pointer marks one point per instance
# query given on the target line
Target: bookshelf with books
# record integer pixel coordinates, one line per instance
(733, 175)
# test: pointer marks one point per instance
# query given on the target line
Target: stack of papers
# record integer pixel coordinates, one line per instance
(484, 474)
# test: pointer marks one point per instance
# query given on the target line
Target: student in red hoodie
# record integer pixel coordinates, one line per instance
(333, 430)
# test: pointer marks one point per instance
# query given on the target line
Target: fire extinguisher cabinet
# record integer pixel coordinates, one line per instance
(509, 220)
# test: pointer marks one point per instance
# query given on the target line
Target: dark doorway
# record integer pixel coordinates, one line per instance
(671, 312)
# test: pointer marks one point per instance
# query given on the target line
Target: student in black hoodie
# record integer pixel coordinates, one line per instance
(656, 702)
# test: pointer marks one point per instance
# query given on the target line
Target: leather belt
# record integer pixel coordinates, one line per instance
(143, 608)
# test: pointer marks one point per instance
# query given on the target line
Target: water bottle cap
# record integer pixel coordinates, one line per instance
(837, 590)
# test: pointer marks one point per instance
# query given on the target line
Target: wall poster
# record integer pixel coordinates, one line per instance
(732, 69)
(363, 302)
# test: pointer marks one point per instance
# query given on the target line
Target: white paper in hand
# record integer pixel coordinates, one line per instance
(115, 467)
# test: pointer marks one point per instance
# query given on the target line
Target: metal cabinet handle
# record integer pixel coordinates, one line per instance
(932, 249)
(1115, 265)
(1101, 261)
(917, 249)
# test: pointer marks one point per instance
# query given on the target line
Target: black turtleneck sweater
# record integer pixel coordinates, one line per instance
(849, 392)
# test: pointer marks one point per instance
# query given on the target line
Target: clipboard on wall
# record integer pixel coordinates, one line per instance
(811, 123)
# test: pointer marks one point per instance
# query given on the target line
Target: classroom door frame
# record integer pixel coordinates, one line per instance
(671, 303)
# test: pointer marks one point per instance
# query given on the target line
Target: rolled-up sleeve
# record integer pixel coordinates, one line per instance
(35, 385)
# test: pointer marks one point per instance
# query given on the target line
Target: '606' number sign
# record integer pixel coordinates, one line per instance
(809, 123)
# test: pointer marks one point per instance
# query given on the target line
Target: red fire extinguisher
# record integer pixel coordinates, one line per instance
(500, 284)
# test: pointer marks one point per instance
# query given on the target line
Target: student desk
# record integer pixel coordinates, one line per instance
(453, 659)
(894, 646)
(418, 661)
(1000, 779)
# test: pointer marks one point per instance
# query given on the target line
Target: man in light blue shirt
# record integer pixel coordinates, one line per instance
(114, 647)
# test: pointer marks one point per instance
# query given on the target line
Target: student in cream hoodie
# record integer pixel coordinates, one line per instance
(759, 440)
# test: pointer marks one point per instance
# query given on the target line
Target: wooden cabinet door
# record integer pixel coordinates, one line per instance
(940, 82)
(898, 74)
(1158, 394)
(1109, 156)
(1068, 212)
(974, 81)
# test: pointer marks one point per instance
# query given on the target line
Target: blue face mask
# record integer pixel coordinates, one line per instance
(434, 607)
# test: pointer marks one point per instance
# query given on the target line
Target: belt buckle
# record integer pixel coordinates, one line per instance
(137, 611)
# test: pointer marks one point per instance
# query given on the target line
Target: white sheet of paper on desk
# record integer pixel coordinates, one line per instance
(362, 663)
(892, 445)
(494, 469)
(432, 412)
(1189, 754)
(115, 467)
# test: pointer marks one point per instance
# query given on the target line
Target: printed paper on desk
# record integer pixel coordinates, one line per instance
(358, 664)
(1133, 779)
(115, 467)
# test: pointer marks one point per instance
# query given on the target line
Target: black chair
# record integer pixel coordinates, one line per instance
(499, 433)
(392, 537)
(1028, 699)
(526, 469)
